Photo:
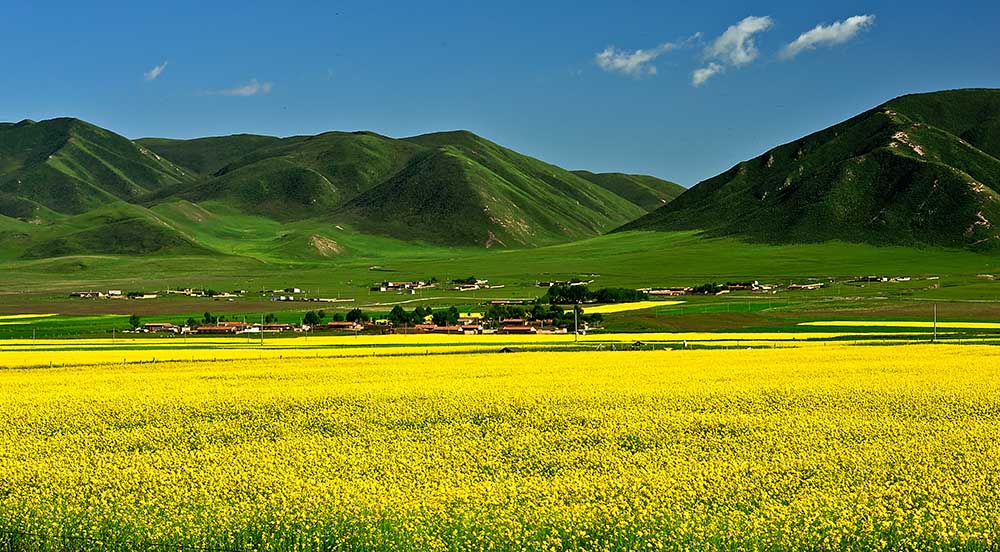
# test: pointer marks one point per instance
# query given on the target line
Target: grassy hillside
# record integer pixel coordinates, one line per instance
(207, 155)
(119, 229)
(468, 190)
(70, 166)
(647, 192)
(450, 188)
(918, 170)
(302, 177)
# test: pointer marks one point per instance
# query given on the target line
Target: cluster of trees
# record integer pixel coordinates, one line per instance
(715, 287)
(559, 316)
(442, 317)
(208, 318)
(708, 289)
(465, 281)
(314, 318)
(565, 294)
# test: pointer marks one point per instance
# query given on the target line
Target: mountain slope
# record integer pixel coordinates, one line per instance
(205, 156)
(70, 188)
(289, 178)
(70, 166)
(647, 192)
(118, 229)
(451, 188)
(467, 190)
(920, 169)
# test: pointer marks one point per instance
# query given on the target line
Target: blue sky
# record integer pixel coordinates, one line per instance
(529, 75)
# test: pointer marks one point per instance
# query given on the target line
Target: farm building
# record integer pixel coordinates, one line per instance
(160, 327)
(808, 287)
(215, 329)
(343, 325)
(518, 330)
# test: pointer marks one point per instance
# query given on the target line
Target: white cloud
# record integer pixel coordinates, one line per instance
(828, 35)
(733, 48)
(736, 46)
(155, 71)
(699, 77)
(636, 63)
(251, 88)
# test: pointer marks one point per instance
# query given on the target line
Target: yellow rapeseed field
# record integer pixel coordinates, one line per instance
(820, 448)
(625, 307)
(129, 350)
(902, 324)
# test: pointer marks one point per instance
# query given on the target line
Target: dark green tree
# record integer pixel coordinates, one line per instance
(357, 315)
(398, 316)
(311, 318)
(134, 321)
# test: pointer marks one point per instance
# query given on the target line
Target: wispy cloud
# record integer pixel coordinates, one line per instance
(251, 88)
(636, 63)
(828, 35)
(155, 71)
(699, 76)
(733, 48)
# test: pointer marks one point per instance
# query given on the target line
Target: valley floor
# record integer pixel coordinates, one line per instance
(963, 285)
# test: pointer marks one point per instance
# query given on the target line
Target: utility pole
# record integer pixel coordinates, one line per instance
(576, 327)
(935, 324)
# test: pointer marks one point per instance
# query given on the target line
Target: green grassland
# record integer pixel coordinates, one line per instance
(255, 253)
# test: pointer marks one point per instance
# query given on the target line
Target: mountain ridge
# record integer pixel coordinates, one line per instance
(907, 172)
(451, 188)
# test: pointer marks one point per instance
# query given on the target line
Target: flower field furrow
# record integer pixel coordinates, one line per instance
(822, 448)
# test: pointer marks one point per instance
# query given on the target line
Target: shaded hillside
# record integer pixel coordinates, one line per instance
(70, 166)
(116, 230)
(647, 192)
(467, 190)
(303, 177)
(205, 156)
(920, 169)
(451, 188)
(87, 190)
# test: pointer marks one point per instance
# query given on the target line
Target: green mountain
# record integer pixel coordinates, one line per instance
(70, 188)
(452, 188)
(117, 229)
(299, 177)
(922, 169)
(207, 155)
(647, 192)
(69, 166)
(463, 189)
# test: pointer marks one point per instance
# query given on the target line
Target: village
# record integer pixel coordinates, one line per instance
(542, 315)
(469, 323)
